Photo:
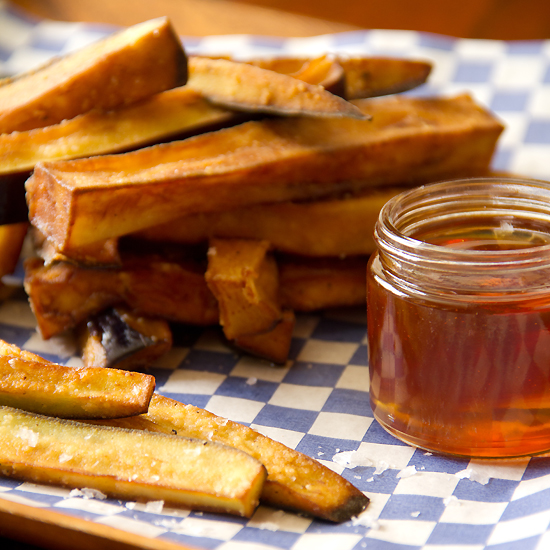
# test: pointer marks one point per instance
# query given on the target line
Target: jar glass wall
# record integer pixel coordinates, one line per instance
(458, 305)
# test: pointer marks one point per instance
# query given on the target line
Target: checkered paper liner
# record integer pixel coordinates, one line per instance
(318, 403)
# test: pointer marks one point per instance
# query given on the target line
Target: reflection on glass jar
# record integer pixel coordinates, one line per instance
(459, 317)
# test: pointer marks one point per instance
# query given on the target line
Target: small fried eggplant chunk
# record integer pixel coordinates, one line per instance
(118, 70)
(118, 338)
(274, 344)
(129, 464)
(242, 274)
(36, 385)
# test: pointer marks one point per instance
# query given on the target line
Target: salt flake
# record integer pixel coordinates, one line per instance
(451, 501)
(352, 459)
(154, 506)
(93, 493)
(366, 519)
(407, 472)
(87, 493)
(28, 436)
(381, 467)
(474, 475)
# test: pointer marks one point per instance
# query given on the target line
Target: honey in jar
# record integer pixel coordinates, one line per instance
(458, 305)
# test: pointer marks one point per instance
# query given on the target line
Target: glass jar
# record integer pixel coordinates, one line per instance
(458, 305)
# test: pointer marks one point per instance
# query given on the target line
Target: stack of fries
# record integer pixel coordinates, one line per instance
(266, 208)
(162, 189)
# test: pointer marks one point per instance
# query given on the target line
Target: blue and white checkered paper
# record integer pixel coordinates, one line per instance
(318, 403)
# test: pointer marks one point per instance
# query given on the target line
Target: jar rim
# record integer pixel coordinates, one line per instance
(524, 194)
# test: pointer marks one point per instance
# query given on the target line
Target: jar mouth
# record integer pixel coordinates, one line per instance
(513, 209)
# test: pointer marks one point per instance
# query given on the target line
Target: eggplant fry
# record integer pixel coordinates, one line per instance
(313, 284)
(242, 274)
(118, 338)
(340, 226)
(221, 82)
(273, 345)
(11, 243)
(326, 72)
(378, 76)
(353, 77)
(129, 464)
(33, 384)
(323, 71)
(179, 112)
(118, 70)
(63, 295)
(294, 482)
(410, 140)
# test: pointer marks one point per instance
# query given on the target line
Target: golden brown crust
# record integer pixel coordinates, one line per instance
(294, 482)
(118, 70)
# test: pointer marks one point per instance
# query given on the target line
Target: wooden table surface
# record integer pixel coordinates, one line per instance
(495, 19)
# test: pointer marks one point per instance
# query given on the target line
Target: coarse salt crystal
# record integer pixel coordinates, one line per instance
(93, 493)
(352, 459)
(381, 467)
(474, 475)
(154, 506)
(87, 493)
(28, 436)
(366, 519)
(451, 501)
(407, 472)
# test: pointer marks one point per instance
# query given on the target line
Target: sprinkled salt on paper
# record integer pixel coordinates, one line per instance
(154, 506)
(366, 519)
(474, 474)
(381, 467)
(168, 523)
(451, 501)
(407, 472)
(87, 493)
(353, 459)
